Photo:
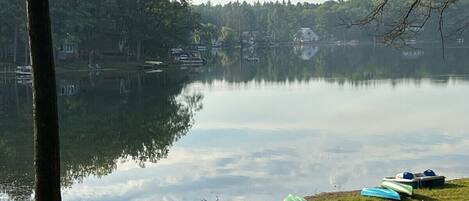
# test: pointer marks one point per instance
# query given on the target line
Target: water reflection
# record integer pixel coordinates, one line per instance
(314, 136)
(99, 126)
(357, 65)
(300, 120)
(413, 54)
(306, 52)
(68, 88)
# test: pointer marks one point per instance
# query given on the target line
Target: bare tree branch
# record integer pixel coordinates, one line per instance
(414, 15)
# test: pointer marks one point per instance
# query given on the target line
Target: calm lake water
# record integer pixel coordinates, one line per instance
(301, 120)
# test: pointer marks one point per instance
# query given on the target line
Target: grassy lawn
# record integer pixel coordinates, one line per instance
(452, 190)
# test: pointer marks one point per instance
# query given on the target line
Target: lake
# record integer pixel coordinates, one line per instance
(300, 120)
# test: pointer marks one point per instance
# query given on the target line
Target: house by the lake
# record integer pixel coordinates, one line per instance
(305, 35)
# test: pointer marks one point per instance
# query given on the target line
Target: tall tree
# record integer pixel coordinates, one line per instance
(46, 127)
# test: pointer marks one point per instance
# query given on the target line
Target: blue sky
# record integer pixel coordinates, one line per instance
(251, 1)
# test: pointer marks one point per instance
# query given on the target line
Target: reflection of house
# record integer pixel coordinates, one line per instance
(67, 50)
(305, 35)
(415, 27)
(413, 54)
(68, 88)
(249, 37)
(217, 42)
(27, 81)
(410, 41)
(305, 52)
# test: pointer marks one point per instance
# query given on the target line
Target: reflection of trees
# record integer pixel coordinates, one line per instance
(98, 128)
(341, 64)
(16, 167)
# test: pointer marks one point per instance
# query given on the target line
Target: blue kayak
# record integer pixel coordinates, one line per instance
(381, 193)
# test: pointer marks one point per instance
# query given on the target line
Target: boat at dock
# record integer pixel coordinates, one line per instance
(186, 58)
(24, 70)
(155, 63)
(252, 59)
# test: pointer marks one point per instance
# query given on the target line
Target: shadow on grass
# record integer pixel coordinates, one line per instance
(447, 186)
(418, 197)
(426, 198)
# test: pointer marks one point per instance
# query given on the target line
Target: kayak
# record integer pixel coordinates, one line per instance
(398, 187)
(381, 193)
(415, 182)
(291, 197)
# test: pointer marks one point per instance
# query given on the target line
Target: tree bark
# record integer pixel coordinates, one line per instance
(26, 51)
(46, 127)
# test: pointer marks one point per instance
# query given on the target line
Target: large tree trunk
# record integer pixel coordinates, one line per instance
(26, 51)
(46, 128)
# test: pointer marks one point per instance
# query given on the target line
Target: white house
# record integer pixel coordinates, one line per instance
(305, 35)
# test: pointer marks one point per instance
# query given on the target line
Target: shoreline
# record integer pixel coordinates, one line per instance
(456, 189)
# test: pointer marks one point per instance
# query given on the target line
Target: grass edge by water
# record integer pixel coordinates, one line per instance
(457, 189)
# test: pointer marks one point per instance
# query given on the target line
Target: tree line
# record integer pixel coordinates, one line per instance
(139, 28)
(119, 27)
(331, 20)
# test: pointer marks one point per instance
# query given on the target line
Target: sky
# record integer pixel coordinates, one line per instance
(197, 2)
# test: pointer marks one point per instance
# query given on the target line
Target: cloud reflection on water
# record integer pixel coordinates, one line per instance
(263, 142)
(263, 173)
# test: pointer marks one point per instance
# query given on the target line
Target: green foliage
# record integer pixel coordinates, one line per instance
(331, 19)
(279, 21)
(105, 25)
(12, 20)
(228, 35)
(206, 33)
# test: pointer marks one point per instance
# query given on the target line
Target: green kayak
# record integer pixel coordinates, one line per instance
(294, 198)
(398, 187)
